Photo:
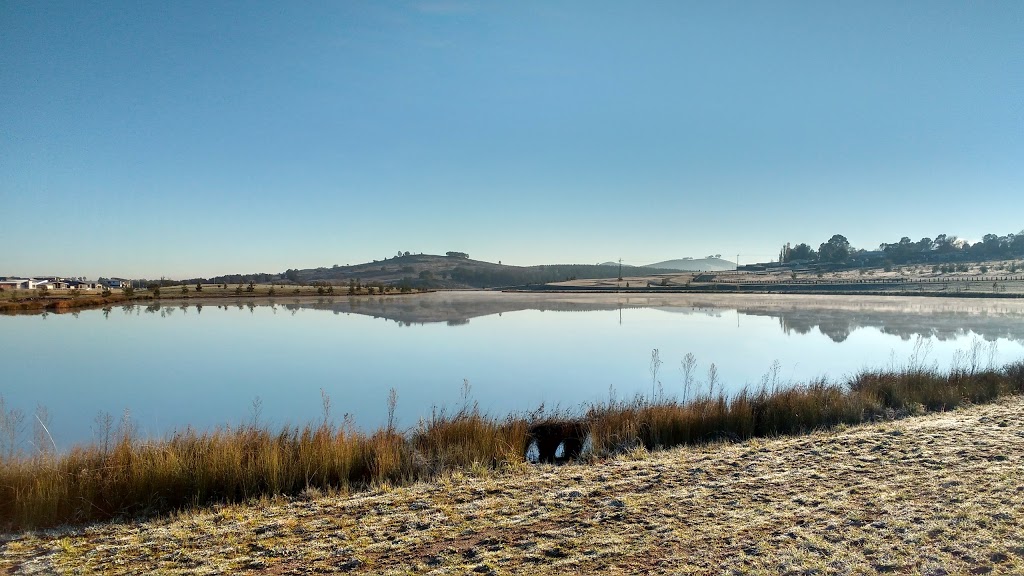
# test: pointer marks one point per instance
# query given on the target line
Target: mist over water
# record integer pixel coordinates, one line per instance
(173, 366)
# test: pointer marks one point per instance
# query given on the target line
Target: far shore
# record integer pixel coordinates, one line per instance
(693, 284)
(59, 301)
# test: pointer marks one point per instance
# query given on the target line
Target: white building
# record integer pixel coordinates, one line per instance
(17, 284)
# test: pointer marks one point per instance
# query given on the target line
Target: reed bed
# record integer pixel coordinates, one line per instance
(32, 304)
(127, 476)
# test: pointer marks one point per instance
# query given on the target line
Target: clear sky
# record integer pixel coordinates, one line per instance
(198, 138)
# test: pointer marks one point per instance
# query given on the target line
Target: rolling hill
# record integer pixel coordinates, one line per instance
(711, 264)
(432, 271)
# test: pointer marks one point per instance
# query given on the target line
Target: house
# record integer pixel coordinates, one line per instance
(53, 284)
(118, 283)
(16, 284)
(84, 285)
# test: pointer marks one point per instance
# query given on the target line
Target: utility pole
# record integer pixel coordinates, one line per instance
(620, 269)
(737, 262)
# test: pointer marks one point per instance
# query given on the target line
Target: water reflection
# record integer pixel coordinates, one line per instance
(519, 350)
(837, 318)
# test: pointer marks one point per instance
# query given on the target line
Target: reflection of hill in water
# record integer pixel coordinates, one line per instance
(835, 316)
(456, 309)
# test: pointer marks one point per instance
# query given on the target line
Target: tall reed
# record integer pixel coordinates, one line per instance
(127, 476)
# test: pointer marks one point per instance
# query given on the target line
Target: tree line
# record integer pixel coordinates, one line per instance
(942, 248)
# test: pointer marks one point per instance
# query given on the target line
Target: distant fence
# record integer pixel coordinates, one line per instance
(869, 281)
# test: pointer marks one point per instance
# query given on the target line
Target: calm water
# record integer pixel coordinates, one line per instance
(172, 366)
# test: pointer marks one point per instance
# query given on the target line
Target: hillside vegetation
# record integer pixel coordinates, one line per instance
(432, 271)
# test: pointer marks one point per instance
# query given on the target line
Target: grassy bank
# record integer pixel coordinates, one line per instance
(37, 304)
(128, 476)
(932, 495)
(57, 301)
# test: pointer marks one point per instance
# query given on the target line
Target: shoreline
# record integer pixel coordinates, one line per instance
(60, 305)
(924, 495)
(197, 469)
(776, 292)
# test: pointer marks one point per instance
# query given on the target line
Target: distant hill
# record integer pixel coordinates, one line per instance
(430, 271)
(694, 264)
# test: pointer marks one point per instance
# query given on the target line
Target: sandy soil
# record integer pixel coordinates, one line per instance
(932, 495)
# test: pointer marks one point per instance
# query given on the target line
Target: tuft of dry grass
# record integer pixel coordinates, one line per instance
(131, 477)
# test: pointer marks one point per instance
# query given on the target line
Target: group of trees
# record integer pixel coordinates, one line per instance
(943, 248)
(991, 247)
(836, 250)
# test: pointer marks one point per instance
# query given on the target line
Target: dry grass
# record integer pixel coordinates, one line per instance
(128, 477)
(57, 301)
(33, 303)
(937, 494)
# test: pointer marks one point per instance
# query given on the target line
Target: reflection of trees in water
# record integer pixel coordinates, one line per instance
(941, 325)
(836, 318)
(837, 331)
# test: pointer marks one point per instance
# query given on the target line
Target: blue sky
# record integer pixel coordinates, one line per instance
(198, 138)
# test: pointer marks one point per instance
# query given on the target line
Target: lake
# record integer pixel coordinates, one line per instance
(206, 364)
